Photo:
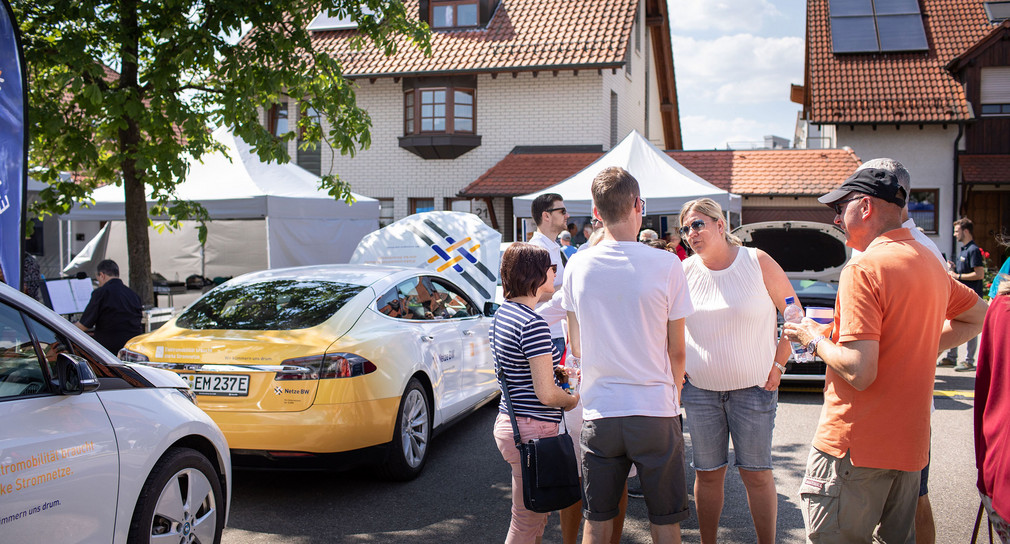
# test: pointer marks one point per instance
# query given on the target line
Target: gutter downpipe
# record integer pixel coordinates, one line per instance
(957, 194)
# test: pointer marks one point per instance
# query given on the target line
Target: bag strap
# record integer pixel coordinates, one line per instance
(503, 384)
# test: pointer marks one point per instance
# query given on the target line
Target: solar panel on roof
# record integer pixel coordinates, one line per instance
(901, 33)
(871, 26)
(853, 35)
(839, 8)
(895, 7)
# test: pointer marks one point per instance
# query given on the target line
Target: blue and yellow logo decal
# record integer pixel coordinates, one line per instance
(464, 255)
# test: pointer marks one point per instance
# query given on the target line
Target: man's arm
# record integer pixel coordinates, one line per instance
(977, 273)
(855, 362)
(963, 327)
(574, 335)
(675, 345)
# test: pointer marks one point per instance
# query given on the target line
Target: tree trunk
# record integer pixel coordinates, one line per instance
(135, 205)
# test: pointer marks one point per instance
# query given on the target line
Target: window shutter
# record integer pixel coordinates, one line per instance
(996, 85)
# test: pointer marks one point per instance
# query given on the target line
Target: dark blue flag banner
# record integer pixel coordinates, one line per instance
(13, 148)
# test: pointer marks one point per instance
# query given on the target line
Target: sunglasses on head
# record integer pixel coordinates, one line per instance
(839, 206)
(695, 225)
(596, 223)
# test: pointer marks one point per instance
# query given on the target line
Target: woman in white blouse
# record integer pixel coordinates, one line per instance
(734, 364)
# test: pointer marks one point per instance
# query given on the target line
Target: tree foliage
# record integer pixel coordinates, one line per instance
(125, 91)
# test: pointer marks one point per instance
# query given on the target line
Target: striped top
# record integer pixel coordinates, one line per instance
(731, 337)
(517, 334)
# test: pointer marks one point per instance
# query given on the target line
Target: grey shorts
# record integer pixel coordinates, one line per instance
(845, 503)
(655, 445)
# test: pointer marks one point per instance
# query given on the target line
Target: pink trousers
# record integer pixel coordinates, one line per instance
(526, 526)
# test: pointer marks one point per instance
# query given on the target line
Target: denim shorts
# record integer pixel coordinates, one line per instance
(745, 415)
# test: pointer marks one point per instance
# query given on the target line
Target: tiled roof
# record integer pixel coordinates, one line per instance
(985, 168)
(893, 87)
(753, 172)
(522, 34)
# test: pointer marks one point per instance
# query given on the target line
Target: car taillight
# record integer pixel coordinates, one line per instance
(322, 367)
(128, 356)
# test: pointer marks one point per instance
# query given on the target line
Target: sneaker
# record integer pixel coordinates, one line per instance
(946, 361)
(635, 492)
(964, 367)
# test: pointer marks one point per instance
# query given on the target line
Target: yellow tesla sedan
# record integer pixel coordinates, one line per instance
(302, 362)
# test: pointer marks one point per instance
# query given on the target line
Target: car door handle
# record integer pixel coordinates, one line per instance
(427, 338)
(467, 332)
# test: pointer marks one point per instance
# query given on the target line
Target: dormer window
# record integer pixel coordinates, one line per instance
(454, 13)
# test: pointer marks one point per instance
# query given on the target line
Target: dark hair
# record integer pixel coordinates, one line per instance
(614, 190)
(543, 203)
(658, 244)
(523, 269)
(966, 224)
(109, 268)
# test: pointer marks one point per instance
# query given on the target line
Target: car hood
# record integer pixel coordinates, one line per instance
(159, 377)
(457, 244)
(804, 249)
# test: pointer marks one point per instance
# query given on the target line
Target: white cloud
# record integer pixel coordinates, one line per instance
(702, 132)
(723, 15)
(741, 68)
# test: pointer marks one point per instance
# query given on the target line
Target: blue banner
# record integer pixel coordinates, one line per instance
(13, 148)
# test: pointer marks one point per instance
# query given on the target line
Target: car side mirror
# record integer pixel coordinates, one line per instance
(490, 308)
(74, 376)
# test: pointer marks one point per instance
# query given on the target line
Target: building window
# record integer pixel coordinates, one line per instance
(277, 119)
(923, 210)
(453, 13)
(995, 96)
(613, 118)
(446, 110)
(421, 205)
(385, 211)
(458, 205)
(638, 29)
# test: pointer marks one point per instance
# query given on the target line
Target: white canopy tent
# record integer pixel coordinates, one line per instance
(263, 215)
(664, 183)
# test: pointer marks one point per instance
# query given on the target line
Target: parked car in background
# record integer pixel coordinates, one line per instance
(812, 255)
(300, 363)
(95, 450)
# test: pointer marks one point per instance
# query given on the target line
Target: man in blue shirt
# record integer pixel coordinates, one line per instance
(969, 270)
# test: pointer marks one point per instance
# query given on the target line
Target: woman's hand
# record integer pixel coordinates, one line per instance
(575, 402)
(774, 379)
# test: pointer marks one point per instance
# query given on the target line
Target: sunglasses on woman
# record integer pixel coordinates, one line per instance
(554, 268)
(695, 225)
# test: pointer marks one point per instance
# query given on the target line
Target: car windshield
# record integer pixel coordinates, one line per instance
(268, 305)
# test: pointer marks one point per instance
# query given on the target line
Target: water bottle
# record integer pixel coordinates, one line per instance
(794, 314)
(574, 367)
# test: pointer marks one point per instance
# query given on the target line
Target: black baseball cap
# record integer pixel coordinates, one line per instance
(869, 181)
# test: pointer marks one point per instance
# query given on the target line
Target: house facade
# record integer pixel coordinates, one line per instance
(925, 83)
(503, 73)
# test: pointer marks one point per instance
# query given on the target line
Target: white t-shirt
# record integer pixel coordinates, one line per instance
(551, 310)
(623, 294)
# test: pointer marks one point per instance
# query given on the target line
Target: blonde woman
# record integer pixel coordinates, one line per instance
(734, 364)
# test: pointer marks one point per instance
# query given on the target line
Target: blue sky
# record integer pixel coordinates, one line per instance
(734, 62)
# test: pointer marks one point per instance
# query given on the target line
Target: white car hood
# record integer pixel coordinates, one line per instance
(457, 244)
(806, 250)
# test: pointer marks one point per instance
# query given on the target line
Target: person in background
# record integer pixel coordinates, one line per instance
(647, 235)
(550, 215)
(970, 271)
(872, 441)
(114, 310)
(675, 244)
(734, 365)
(992, 413)
(567, 249)
(577, 237)
(522, 347)
(587, 230)
(1003, 271)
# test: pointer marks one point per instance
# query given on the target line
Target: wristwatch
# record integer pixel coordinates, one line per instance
(812, 345)
(782, 368)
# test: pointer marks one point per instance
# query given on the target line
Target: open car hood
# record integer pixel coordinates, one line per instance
(804, 249)
(457, 244)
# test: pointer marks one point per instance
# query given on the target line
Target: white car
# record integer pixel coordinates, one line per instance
(95, 450)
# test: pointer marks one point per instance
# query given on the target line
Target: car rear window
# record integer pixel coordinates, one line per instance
(268, 305)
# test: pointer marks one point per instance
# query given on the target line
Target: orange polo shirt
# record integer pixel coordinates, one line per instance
(893, 293)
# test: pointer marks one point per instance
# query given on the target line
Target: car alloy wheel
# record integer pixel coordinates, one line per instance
(181, 502)
(407, 453)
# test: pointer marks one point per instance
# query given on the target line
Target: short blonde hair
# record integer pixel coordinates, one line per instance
(711, 209)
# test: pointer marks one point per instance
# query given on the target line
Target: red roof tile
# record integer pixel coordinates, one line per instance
(522, 34)
(753, 172)
(985, 168)
(893, 87)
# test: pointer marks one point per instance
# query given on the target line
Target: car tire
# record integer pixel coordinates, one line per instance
(183, 484)
(407, 453)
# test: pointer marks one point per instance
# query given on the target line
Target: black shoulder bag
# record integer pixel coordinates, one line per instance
(550, 476)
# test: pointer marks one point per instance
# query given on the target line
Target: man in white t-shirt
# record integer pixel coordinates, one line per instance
(626, 305)
(925, 528)
(551, 217)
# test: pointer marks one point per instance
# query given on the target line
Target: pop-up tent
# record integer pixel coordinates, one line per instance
(664, 183)
(263, 215)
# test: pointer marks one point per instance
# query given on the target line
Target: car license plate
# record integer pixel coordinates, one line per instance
(219, 385)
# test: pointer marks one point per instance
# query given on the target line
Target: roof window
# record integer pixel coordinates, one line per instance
(872, 26)
(997, 11)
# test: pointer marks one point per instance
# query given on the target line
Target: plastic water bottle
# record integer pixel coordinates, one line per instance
(574, 367)
(794, 314)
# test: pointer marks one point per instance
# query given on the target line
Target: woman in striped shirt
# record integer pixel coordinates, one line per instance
(521, 345)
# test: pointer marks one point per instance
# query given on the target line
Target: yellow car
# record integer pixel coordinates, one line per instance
(302, 362)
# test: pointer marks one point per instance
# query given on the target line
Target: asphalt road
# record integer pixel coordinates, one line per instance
(463, 493)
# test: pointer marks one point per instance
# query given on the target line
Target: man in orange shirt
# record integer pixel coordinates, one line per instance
(895, 311)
